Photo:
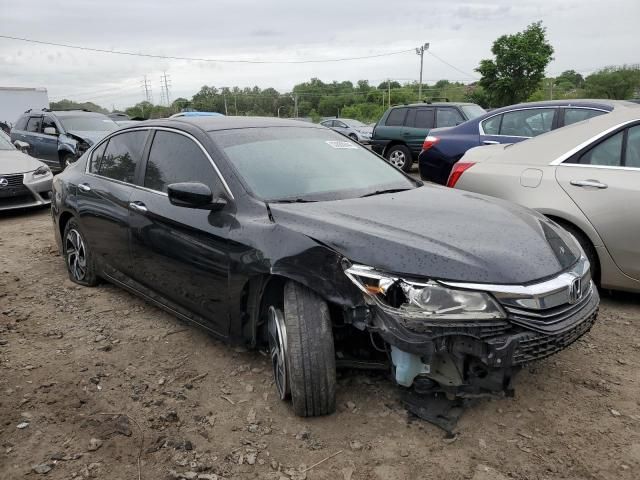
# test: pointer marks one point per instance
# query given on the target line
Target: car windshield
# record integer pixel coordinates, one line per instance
(306, 164)
(5, 142)
(473, 111)
(88, 123)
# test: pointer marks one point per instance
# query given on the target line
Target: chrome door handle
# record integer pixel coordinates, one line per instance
(588, 183)
(84, 187)
(490, 142)
(138, 207)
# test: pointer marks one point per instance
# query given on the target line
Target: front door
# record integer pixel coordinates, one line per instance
(103, 199)
(181, 253)
(604, 183)
(48, 145)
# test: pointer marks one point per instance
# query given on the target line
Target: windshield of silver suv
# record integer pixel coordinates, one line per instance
(88, 123)
(306, 164)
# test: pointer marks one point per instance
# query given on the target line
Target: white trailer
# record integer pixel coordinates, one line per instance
(14, 101)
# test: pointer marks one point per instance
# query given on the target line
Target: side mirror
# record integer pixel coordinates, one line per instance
(195, 195)
(50, 131)
(24, 147)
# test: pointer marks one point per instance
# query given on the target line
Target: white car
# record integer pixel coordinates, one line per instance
(24, 181)
(585, 177)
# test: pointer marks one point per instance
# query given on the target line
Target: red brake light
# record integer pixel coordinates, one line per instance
(458, 169)
(429, 142)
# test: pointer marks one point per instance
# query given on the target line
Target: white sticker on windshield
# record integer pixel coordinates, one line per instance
(339, 144)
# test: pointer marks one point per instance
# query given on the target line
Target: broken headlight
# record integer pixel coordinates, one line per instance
(427, 300)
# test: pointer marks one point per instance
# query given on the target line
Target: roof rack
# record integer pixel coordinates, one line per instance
(436, 99)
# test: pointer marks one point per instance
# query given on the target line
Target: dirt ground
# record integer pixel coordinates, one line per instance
(93, 381)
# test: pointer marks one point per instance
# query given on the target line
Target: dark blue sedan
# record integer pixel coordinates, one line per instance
(443, 147)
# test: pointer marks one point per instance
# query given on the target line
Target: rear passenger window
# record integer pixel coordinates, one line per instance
(448, 117)
(491, 126)
(396, 117)
(607, 153)
(175, 158)
(527, 123)
(424, 118)
(122, 155)
(33, 125)
(632, 154)
(96, 157)
(574, 115)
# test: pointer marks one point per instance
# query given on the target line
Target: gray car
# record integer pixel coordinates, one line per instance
(353, 129)
(585, 176)
(24, 181)
(59, 138)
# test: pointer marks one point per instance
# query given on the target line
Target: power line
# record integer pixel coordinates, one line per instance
(195, 59)
(452, 66)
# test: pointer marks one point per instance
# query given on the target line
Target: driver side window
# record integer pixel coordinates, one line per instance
(174, 158)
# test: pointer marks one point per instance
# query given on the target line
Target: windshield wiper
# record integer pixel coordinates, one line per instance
(292, 200)
(380, 192)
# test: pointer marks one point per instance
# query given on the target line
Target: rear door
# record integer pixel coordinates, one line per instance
(418, 122)
(181, 253)
(517, 125)
(103, 198)
(604, 182)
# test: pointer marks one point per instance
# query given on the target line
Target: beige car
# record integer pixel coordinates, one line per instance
(584, 176)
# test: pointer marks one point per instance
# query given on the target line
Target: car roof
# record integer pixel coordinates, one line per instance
(556, 143)
(213, 123)
(594, 103)
(435, 104)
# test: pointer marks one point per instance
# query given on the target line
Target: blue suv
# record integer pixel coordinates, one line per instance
(59, 138)
(443, 147)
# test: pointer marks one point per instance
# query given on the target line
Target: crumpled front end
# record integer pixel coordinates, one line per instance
(469, 339)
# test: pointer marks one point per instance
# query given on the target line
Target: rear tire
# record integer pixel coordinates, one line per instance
(78, 256)
(400, 157)
(310, 352)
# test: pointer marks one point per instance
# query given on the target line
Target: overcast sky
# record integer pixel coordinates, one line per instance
(586, 35)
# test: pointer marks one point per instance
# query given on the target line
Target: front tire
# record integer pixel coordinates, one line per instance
(310, 366)
(353, 137)
(400, 157)
(78, 256)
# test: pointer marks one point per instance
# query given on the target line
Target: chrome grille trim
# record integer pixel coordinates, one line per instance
(13, 179)
(538, 296)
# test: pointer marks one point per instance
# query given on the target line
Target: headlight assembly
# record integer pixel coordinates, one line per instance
(426, 300)
(41, 171)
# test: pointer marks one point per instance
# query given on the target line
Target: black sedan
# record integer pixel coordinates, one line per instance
(288, 235)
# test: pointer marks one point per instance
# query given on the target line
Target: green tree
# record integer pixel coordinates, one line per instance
(518, 67)
(71, 105)
(614, 82)
(570, 77)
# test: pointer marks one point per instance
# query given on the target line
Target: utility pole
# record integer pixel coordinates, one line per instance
(146, 85)
(420, 51)
(164, 84)
(235, 101)
(295, 105)
(224, 95)
(389, 89)
(551, 89)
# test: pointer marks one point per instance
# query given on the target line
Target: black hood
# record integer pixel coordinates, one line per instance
(439, 233)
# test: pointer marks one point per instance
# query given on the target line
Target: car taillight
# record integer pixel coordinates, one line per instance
(429, 142)
(458, 169)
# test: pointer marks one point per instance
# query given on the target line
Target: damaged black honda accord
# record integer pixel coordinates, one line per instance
(288, 236)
